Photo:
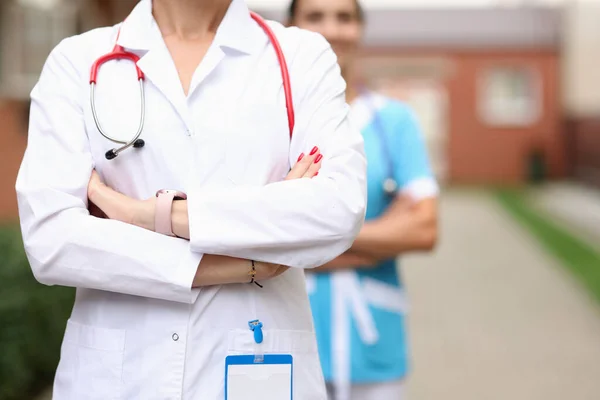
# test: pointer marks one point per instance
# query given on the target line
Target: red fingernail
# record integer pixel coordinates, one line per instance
(301, 156)
(314, 150)
(316, 173)
(319, 158)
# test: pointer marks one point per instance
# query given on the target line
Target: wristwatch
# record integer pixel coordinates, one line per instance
(164, 204)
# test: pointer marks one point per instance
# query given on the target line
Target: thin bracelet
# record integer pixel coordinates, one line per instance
(252, 274)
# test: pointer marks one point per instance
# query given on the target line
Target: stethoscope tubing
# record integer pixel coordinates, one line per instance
(390, 185)
(125, 144)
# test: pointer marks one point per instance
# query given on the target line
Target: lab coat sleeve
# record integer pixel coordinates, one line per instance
(64, 244)
(299, 223)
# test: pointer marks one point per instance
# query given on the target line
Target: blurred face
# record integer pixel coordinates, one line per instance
(337, 20)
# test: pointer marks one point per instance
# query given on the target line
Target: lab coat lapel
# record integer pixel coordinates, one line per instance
(211, 60)
(160, 70)
(140, 33)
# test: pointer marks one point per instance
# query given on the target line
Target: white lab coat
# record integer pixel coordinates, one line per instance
(138, 330)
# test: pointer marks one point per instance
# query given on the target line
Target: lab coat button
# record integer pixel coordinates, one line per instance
(175, 337)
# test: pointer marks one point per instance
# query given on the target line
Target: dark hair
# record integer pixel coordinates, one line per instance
(293, 9)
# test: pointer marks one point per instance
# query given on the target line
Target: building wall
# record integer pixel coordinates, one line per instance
(583, 144)
(581, 96)
(13, 139)
(480, 153)
(475, 151)
(581, 58)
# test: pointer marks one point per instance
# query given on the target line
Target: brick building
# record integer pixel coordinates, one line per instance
(486, 83)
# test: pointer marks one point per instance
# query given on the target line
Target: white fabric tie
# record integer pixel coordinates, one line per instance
(348, 302)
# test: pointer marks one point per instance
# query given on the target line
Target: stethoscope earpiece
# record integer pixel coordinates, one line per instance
(138, 144)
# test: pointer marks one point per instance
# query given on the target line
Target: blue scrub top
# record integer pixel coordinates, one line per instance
(385, 124)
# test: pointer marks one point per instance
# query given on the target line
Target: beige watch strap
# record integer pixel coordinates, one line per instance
(162, 214)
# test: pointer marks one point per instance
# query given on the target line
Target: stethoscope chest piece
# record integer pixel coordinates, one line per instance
(390, 186)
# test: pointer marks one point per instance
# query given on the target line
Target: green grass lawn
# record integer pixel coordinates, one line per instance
(576, 255)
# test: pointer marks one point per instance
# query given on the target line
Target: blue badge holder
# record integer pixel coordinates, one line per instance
(259, 376)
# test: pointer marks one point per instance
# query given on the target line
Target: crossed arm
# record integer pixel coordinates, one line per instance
(104, 202)
(406, 226)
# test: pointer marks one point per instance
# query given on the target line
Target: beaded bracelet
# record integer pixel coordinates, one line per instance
(252, 274)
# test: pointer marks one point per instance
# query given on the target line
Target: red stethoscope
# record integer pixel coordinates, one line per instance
(119, 53)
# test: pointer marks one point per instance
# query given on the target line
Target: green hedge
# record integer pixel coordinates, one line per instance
(33, 318)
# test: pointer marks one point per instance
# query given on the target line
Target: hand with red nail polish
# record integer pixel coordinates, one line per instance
(307, 166)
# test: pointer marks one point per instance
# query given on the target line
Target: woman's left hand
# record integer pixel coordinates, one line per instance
(307, 166)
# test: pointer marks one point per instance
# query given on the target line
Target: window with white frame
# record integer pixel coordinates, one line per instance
(510, 96)
(30, 30)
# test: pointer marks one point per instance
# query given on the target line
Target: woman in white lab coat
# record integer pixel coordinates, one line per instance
(156, 315)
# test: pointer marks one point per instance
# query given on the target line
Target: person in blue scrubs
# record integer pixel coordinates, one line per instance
(358, 300)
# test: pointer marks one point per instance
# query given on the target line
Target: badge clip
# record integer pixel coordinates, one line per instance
(256, 327)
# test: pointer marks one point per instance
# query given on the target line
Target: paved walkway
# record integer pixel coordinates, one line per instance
(494, 317)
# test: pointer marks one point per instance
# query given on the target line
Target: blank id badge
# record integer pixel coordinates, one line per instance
(252, 377)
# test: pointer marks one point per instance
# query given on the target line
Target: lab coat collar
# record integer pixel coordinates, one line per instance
(136, 33)
(237, 31)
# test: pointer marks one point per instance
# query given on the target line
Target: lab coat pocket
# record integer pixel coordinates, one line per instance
(308, 382)
(91, 363)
